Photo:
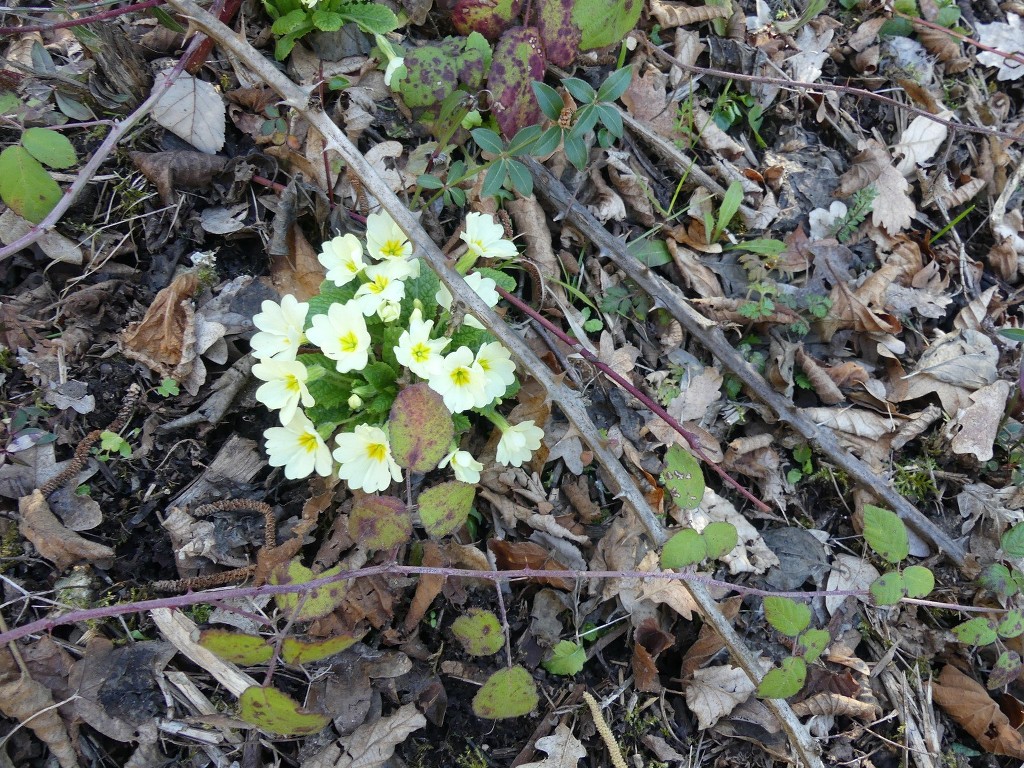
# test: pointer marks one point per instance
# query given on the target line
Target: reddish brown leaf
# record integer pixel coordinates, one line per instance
(967, 702)
(518, 61)
(515, 556)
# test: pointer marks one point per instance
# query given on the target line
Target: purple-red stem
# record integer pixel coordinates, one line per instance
(691, 439)
(111, 14)
(234, 593)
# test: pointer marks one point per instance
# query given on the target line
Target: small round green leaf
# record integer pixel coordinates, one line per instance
(885, 533)
(918, 581)
(379, 522)
(1012, 541)
(567, 658)
(977, 631)
(236, 647)
(683, 478)
(25, 185)
(479, 632)
(721, 539)
(785, 681)
(1011, 626)
(420, 428)
(276, 712)
(888, 589)
(49, 147)
(788, 616)
(685, 548)
(507, 693)
(445, 507)
(812, 643)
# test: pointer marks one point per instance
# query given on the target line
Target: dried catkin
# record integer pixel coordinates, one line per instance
(606, 733)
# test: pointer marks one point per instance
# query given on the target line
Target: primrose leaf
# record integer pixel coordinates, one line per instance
(979, 631)
(605, 22)
(314, 603)
(327, 21)
(788, 616)
(236, 647)
(888, 589)
(380, 522)
(885, 533)
(812, 643)
(49, 147)
(507, 693)
(721, 539)
(445, 507)
(488, 17)
(784, 681)
(276, 712)
(420, 428)
(1004, 671)
(1011, 626)
(997, 578)
(567, 658)
(560, 35)
(25, 185)
(372, 18)
(290, 22)
(918, 581)
(432, 72)
(518, 61)
(479, 631)
(1012, 541)
(685, 548)
(683, 477)
(296, 651)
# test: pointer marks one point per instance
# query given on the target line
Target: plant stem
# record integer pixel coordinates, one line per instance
(103, 16)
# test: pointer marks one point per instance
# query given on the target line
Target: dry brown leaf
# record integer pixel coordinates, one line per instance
(167, 170)
(967, 702)
(607, 204)
(696, 276)
(709, 642)
(647, 100)
(631, 186)
(833, 704)
(892, 209)
(371, 745)
(671, 15)
(865, 167)
(849, 572)
(563, 749)
(427, 587)
(299, 273)
(850, 311)
(824, 387)
(715, 692)
(59, 545)
(31, 704)
(939, 43)
(162, 338)
(533, 225)
(517, 555)
(979, 423)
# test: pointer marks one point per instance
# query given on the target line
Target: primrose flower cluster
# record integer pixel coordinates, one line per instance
(379, 323)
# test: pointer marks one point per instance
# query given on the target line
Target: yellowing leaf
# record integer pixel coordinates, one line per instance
(236, 647)
(317, 602)
(507, 693)
(296, 651)
(276, 712)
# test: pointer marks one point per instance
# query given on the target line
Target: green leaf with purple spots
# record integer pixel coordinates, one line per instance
(488, 17)
(310, 604)
(479, 632)
(558, 33)
(379, 522)
(432, 72)
(296, 651)
(518, 61)
(276, 712)
(420, 428)
(445, 507)
(236, 647)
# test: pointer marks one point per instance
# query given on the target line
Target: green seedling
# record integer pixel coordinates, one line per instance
(168, 388)
(294, 19)
(887, 536)
(731, 201)
(567, 658)
(802, 455)
(112, 443)
(860, 206)
(689, 547)
(793, 620)
(507, 693)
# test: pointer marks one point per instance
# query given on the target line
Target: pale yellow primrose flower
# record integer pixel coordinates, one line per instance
(382, 287)
(389, 311)
(280, 334)
(298, 448)
(459, 380)
(384, 238)
(499, 368)
(342, 336)
(482, 287)
(518, 443)
(486, 238)
(416, 350)
(365, 459)
(466, 468)
(394, 269)
(393, 66)
(285, 386)
(343, 258)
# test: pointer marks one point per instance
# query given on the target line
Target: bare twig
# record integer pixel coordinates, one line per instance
(103, 16)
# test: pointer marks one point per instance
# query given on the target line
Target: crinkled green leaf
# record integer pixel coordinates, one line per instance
(507, 693)
(787, 616)
(290, 22)
(420, 428)
(885, 533)
(479, 632)
(784, 681)
(683, 477)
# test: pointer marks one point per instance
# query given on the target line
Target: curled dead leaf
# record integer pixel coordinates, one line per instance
(59, 545)
(31, 704)
(967, 702)
(671, 15)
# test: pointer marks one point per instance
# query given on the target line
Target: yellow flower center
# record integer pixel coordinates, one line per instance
(460, 377)
(348, 342)
(420, 353)
(307, 441)
(379, 284)
(291, 383)
(392, 248)
(377, 451)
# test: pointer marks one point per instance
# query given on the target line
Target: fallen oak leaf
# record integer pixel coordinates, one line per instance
(61, 546)
(967, 702)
